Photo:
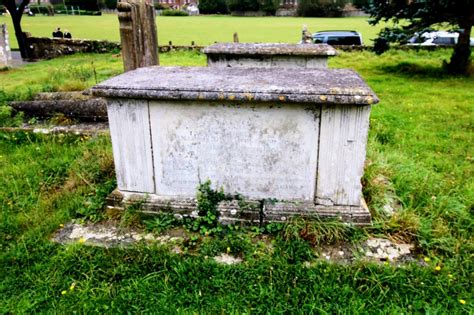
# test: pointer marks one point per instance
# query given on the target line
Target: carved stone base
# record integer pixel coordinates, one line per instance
(254, 212)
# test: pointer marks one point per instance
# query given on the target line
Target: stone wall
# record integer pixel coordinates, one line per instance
(5, 53)
(47, 48)
(286, 12)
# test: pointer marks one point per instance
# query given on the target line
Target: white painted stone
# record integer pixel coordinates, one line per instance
(268, 55)
(131, 143)
(343, 139)
(295, 136)
(227, 259)
(5, 52)
(288, 62)
(259, 151)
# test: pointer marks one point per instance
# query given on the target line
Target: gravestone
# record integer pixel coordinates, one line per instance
(268, 55)
(5, 52)
(289, 142)
(138, 34)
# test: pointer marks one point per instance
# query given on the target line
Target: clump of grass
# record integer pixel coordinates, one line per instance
(317, 232)
(8, 118)
(236, 244)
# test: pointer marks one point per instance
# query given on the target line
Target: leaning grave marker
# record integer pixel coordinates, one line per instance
(292, 142)
(5, 52)
(268, 55)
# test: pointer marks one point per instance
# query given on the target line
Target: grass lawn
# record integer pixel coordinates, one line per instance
(203, 30)
(420, 155)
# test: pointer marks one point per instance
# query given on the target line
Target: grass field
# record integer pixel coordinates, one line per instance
(203, 30)
(420, 154)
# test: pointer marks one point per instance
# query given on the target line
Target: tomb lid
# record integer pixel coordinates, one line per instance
(333, 86)
(272, 49)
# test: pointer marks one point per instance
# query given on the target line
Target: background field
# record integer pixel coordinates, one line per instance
(203, 30)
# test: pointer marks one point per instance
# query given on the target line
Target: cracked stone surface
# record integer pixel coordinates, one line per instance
(315, 86)
(377, 250)
(383, 249)
(270, 49)
(107, 235)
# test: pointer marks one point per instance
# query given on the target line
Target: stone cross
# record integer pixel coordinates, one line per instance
(138, 33)
(5, 53)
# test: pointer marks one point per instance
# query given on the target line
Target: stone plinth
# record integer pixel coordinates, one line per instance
(5, 52)
(289, 142)
(297, 56)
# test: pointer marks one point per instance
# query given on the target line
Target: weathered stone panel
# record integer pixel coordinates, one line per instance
(5, 52)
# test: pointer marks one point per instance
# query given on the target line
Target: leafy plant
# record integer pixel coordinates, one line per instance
(94, 204)
(207, 202)
(160, 222)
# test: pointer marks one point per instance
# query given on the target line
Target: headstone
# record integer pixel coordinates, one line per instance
(268, 55)
(138, 33)
(5, 52)
(289, 142)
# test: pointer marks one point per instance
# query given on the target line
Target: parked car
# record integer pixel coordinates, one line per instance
(338, 38)
(440, 38)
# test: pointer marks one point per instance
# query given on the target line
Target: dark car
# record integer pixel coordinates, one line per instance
(338, 38)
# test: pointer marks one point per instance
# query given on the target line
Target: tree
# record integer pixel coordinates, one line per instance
(323, 8)
(423, 15)
(361, 4)
(16, 14)
(89, 5)
(243, 5)
(269, 6)
(213, 7)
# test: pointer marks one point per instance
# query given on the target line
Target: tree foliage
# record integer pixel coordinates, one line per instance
(243, 5)
(269, 6)
(89, 5)
(361, 4)
(108, 4)
(317, 8)
(213, 7)
(417, 16)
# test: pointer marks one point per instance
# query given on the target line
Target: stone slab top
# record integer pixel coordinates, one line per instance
(272, 49)
(316, 86)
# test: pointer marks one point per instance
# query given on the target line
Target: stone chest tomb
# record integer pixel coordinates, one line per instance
(290, 142)
(269, 55)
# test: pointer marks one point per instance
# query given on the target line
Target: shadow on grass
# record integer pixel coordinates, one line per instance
(410, 69)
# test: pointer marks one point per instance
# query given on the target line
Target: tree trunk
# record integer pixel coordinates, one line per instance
(17, 14)
(460, 60)
(20, 37)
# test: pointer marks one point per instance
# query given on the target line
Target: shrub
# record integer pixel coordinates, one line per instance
(243, 5)
(42, 9)
(269, 6)
(88, 5)
(318, 8)
(159, 6)
(213, 7)
(170, 12)
(108, 4)
(361, 4)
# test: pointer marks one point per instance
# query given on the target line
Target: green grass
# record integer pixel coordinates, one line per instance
(203, 30)
(420, 153)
